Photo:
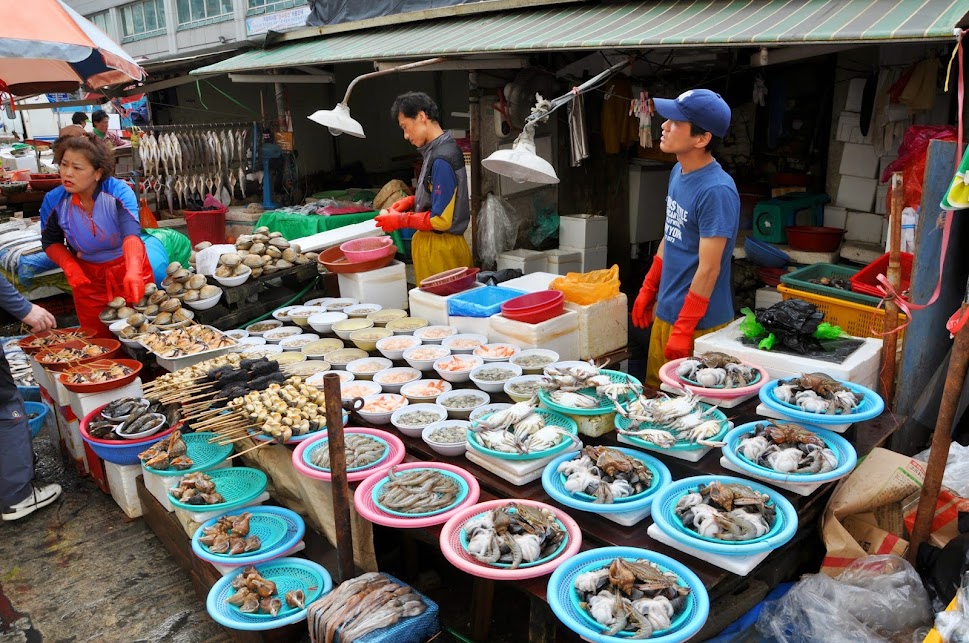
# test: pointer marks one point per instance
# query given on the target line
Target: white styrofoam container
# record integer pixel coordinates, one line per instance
(527, 261)
(583, 231)
(562, 261)
(856, 193)
(592, 258)
(864, 226)
(766, 297)
(859, 160)
(884, 162)
(560, 334)
(881, 198)
(75, 443)
(861, 367)
(531, 283)
(48, 381)
(433, 308)
(323, 240)
(856, 89)
(474, 325)
(835, 216)
(84, 403)
(385, 286)
(603, 326)
(121, 482)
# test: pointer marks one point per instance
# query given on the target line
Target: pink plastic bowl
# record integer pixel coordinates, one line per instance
(535, 307)
(366, 249)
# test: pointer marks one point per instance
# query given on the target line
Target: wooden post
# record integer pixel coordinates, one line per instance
(890, 340)
(338, 475)
(941, 439)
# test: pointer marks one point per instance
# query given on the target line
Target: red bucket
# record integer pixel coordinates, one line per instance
(206, 225)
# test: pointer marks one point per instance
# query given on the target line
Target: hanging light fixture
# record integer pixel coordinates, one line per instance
(522, 163)
(338, 119)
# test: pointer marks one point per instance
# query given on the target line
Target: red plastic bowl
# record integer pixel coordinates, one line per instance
(535, 307)
(771, 276)
(97, 387)
(366, 249)
(335, 261)
(445, 287)
(44, 185)
(33, 350)
(112, 347)
(814, 238)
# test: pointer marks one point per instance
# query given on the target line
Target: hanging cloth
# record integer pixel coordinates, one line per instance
(642, 109)
(919, 93)
(577, 132)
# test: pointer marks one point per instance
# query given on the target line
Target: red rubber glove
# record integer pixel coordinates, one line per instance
(134, 261)
(646, 300)
(680, 343)
(403, 205)
(394, 220)
(64, 258)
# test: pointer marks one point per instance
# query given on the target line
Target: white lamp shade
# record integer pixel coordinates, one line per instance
(521, 163)
(338, 120)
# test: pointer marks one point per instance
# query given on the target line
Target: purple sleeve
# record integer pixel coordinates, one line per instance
(127, 225)
(123, 192)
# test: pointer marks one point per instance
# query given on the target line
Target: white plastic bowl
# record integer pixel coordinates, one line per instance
(116, 326)
(494, 386)
(323, 322)
(294, 343)
(463, 375)
(573, 364)
(159, 420)
(300, 315)
(394, 387)
(339, 358)
(347, 326)
(434, 330)
(230, 282)
(205, 304)
(415, 431)
(354, 366)
(236, 333)
(248, 342)
(534, 370)
(319, 301)
(259, 333)
(407, 390)
(422, 364)
(460, 338)
(358, 388)
(380, 417)
(396, 353)
(362, 310)
(338, 304)
(488, 409)
(283, 332)
(282, 313)
(316, 379)
(463, 413)
(451, 449)
(261, 350)
(518, 397)
(515, 350)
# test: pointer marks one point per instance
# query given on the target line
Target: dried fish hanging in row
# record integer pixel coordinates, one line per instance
(187, 163)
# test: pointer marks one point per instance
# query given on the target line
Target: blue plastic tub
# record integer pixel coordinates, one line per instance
(764, 254)
(35, 424)
(481, 302)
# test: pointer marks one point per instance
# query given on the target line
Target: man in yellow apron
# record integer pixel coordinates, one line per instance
(439, 210)
(687, 291)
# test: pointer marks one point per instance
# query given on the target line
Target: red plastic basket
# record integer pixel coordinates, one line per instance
(814, 238)
(865, 280)
(450, 282)
(206, 225)
(535, 307)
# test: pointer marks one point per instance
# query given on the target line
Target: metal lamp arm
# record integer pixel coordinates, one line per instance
(382, 72)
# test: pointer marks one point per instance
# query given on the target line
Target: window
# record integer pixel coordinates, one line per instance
(142, 19)
(191, 12)
(257, 7)
(100, 20)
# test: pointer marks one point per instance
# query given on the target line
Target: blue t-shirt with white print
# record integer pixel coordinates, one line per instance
(701, 203)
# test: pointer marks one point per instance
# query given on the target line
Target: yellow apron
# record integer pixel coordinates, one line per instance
(434, 253)
(659, 335)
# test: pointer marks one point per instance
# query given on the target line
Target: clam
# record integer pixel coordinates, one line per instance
(125, 312)
(116, 303)
(261, 230)
(290, 255)
(182, 276)
(157, 297)
(138, 319)
(279, 242)
(257, 248)
(181, 315)
(274, 252)
(199, 247)
(151, 310)
(223, 272)
(129, 332)
(209, 291)
(176, 289)
(167, 281)
(108, 314)
(191, 295)
(312, 256)
(300, 260)
(273, 235)
(260, 238)
(267, 258)
(163, 319)
(191, 258)
(242, 253)
(150, 289)
(253, 260)
(256, 272)
(269, 269)
(282, 264)
(231, 259)
(195, 282)
(295, 247)
(241, 269)
(172, 268)
(169, 306)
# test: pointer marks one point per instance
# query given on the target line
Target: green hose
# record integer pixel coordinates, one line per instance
(295, 297)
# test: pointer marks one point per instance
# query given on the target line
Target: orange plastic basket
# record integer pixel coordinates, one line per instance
(857, 320)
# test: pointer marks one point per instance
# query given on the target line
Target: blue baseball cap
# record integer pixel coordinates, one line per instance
(701, 107)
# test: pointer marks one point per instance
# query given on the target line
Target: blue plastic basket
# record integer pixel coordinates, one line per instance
(462, 494)
(843, 451)
(871, 406)
(563, 598)
(124, 452)
(481, 302)
(413, 629)
(551, 419)
(324, 443)
(463, 537)
(203, 453)
(37, 423)
(765, 254)
(622, 423)
(238, 485)
(554, 484)
(287, 573)
(278, 528)
(664, 515)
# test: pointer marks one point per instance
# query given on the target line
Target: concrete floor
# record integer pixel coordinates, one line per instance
(80, 570)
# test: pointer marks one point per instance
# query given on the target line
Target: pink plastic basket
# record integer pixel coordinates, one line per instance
(667, 374)
(396, 455)
(364, 504)
(366, 249)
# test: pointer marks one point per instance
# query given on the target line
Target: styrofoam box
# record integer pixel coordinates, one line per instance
(859, 160)
(861, 367)
(864, 226)
(522, 259)
(856, 89)
(856, 193)
(583, 231)
(84, 403)
(560, 334)
(121, 482)
(385, 286)
(48, 381)
(476, 325)
(881, 198)
(603, 326)
(172, 365)
(531, 283)
(431, 307)
(592, 258)
(835, 216)
(562, 261)
(75, 443)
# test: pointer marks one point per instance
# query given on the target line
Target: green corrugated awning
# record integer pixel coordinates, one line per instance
(632, 25)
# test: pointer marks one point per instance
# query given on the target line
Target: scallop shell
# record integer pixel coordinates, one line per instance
(191, 295)
(157, 297)
(196, 282)
(125, 312)
(253, 261)
(169, 306)
(163, 319)
(257, 248)
(116, 303)
(199, 247)
(182, 276)
(231, 259)
(223, 271)
(108, 314)
(209, 291)
(290, 255)
(138, 319)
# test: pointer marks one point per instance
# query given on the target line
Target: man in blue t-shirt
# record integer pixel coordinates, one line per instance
(687, 292)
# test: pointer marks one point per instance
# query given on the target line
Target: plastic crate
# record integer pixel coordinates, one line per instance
(865, 280)
(206, 225)
(481, 302)
(857, 320)
(800, 279)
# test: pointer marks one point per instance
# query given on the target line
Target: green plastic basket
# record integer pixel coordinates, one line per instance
(605, 405)
(238, 485)
(551, 419)
(801, 279)
(204, 455)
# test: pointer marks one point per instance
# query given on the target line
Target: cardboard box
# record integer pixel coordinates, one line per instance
(856, 193)
(859, 160)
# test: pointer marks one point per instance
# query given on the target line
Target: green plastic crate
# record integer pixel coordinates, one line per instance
(800, 279)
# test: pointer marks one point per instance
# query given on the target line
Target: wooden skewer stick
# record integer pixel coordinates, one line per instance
(261, 444)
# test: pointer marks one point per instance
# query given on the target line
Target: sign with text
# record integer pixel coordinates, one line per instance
(278, 21)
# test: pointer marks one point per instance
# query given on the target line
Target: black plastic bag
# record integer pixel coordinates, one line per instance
(495, 277)
(793, 322)
(942, 569)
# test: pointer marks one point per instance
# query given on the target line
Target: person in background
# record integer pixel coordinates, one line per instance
(104, 256)
(100, 121)
(687, 291)
(19, 494)
(76, 128)
(439, 210)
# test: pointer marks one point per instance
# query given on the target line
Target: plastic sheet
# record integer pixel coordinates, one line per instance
(953, 625)
(585, 288)
(875, 599)
(498, 223)
(956, 476)
(911, 159)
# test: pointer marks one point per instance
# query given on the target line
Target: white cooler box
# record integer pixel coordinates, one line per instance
(603, 326)
(560, 334)
(384, 286)
(431, 307)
